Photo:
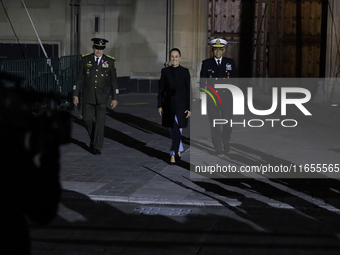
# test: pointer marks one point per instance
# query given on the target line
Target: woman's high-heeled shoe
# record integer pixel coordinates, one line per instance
(179, 155)
(172, 160)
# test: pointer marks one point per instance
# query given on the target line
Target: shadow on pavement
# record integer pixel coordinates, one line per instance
(89, 227)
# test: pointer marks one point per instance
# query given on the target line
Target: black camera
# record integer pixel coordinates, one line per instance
(26, 110)
(54, 125)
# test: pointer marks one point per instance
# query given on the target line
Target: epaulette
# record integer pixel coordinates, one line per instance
(110, 57)
(86, 54)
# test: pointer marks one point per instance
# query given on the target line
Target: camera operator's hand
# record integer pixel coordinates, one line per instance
(75, 100)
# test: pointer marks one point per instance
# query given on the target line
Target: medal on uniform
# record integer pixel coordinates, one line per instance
(228, 67)
(89, 64)
(105, 65)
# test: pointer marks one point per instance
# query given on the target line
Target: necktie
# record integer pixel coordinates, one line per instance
(218, 63)
(97, 61)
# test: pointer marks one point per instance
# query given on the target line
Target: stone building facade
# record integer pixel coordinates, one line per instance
(140, 32)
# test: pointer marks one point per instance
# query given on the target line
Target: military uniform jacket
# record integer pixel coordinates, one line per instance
(211, 70)
(99, 81)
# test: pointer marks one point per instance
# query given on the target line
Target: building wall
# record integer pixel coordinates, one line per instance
(190, 27)
(50, 18)
(189, 34)
(140, 32)
(135, 29)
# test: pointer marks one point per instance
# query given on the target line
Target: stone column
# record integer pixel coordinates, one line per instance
(190, 29)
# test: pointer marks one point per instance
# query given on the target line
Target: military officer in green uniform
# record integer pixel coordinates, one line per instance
(98, 74)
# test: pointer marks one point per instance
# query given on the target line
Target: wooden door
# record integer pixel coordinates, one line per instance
(272, 38)
(296, 38)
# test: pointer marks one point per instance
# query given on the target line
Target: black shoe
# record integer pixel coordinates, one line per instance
(96, 152)
(226, 148)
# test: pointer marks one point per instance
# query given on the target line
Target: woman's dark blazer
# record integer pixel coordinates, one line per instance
(174, 96)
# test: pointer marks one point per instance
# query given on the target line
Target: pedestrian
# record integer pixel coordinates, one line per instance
(174, 96)
(219, 68)
(98, 73)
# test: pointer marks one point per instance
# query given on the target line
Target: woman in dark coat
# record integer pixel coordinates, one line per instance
(174, 98)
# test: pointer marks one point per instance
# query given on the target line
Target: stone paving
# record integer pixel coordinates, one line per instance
(134, 165)
(129, 200)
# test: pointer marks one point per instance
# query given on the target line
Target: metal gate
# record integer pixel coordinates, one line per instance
(45, 75)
